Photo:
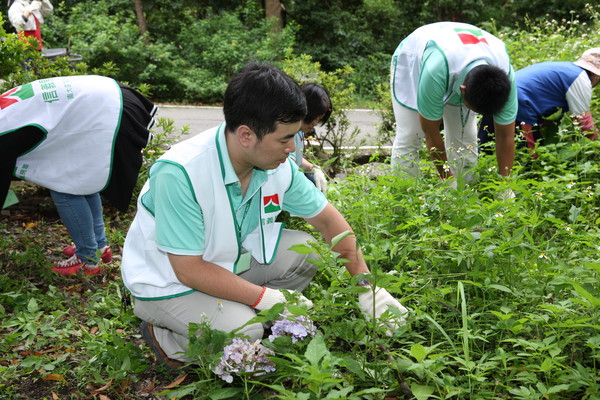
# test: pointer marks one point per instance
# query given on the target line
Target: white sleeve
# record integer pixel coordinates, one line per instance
(579, 95)
(47, 7)
(15, 16)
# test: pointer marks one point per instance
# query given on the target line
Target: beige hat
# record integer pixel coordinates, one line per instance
(590, 60)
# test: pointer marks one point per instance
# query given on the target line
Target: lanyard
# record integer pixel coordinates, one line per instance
(239, 225)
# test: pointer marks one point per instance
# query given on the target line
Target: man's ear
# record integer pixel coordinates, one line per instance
(245, 135)
(463, 89)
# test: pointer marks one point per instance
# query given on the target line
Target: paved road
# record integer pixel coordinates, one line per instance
(200, 118)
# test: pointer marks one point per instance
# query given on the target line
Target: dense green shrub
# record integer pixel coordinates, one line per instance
(192, 66)
(187, 55)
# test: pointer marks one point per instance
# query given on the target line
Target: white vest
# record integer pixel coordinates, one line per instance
(147, 271)
(461, 44)
(80, 116)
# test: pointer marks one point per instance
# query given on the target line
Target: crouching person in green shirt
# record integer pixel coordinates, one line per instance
(205, 242)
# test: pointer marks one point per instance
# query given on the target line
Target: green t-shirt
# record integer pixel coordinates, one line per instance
(433, 85)
(179, 219)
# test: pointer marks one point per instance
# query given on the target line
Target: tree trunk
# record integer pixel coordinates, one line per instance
(139, 12)
(274, 11)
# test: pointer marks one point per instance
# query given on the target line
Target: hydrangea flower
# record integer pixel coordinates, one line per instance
(244, 356)
(299, 328)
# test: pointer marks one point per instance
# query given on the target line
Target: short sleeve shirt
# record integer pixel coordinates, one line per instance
(178, 216)
(433, 85)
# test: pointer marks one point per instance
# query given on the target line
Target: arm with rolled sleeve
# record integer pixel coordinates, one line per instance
(432, 88)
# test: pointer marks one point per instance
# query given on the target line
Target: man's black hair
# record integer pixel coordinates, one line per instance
(487, 89)
(261, 96)
(317, 102)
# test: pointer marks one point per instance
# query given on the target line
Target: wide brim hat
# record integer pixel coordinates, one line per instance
(590, 60)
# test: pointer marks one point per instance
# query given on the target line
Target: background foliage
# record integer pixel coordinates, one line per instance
(193, 47)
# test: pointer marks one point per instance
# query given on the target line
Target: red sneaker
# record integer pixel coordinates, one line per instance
(92, 269)
(69, 266)
(106, 255)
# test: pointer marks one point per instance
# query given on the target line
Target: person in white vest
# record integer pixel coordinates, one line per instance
(447, 72)
(205, 246)
(78, 136)
(27, 16)
(319, 110)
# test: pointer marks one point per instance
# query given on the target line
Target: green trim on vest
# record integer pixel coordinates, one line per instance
(237, 226)
(164, 297)
(187, 178)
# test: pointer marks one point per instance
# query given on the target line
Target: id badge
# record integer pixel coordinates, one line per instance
(243, 263)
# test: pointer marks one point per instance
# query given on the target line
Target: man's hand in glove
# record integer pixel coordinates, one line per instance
(376, 302)
(320, 179)
(269, 297)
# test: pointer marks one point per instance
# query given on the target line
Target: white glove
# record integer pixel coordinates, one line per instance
(382, 299)
(320, 180)
(270, 297)
(34, 6)
(506, 194)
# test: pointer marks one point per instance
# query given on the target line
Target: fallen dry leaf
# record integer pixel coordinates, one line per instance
(30, 225)
(54, 377)
(176, 382)
(103, 388)
(148, 387)
(124, 384)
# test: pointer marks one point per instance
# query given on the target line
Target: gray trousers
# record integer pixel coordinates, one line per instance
(171, 317)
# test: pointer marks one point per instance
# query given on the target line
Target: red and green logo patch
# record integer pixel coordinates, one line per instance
(271, 204)
(470, 36)
(16, 95)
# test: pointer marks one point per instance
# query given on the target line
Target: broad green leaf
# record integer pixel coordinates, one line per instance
(353, 366)
(421, 392)
(593, 265)
(500, 287)
(418, 351)
(32, 306)
(340, 237)
(296, 310)
(501, 316)
(448, 227)
(546, 365)
(225, 393)
(574, 213)
(316, 350)
(301, 249)
(585, 294)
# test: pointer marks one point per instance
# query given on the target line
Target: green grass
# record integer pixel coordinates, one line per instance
(504, 295)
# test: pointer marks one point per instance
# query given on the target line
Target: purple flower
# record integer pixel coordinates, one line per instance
(299, 328)
(244, 356)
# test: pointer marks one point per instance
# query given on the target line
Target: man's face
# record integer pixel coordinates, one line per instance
(275, 147)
